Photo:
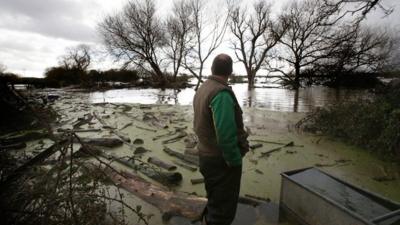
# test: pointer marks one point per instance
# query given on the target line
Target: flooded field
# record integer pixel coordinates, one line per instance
(274, 99)
(154, 127)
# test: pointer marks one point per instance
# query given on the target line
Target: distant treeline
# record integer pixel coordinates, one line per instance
(57, 77)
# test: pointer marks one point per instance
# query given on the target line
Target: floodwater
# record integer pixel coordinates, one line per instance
(274, 99)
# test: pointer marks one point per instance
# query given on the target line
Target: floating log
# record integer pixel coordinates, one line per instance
(248, 201)
(78, 130)
(15, 146)
(140, 150)
(252, 147)
(258, 198)
(197, 181)
(126, 125)
(165, 178)
(113, 130)
(191, 168)
(138, 141)
(147, 129)
(186, 158)
(82, 121)
(168, 202)
(160, 163)
(23, 137)
(289, 144)
(178, 137)
(267, 153)
(104, 142)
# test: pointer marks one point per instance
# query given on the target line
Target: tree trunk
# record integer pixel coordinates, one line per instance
(250, 79)
(296, 84)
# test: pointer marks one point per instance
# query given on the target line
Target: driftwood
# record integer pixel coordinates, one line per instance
(248, 201)
(197, 181)
(23, 137)
(147, 129)
(104, 142)
(168, 202)
(165, 178)
(191, 168)
(278, 143)
(186, 158)
(35, 160)
(82, 121)
(160, 163)
(268, 153)
(178, 137)
(15, 146)
(252, 147)
(123, 137)
(140, 150)
(258, 198)
(78, 130)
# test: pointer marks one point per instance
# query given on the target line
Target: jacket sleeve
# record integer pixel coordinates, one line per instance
(223, 111)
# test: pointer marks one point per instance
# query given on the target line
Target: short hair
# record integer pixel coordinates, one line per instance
(222, 65)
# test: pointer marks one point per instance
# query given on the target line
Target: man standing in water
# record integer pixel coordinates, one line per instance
(218, 123)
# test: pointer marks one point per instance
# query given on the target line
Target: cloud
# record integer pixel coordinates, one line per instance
(55, 18)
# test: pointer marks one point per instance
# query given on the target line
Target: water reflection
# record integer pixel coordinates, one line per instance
(276, 99)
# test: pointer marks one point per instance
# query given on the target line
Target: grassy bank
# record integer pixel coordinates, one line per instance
(371, 124)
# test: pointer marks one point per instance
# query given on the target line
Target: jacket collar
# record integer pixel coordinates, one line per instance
(218, 79)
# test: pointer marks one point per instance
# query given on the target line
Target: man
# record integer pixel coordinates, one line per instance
(218, 123)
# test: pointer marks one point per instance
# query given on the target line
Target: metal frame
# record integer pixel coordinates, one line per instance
(380, 199)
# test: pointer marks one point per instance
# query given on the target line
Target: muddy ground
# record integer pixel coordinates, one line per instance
(152, 127)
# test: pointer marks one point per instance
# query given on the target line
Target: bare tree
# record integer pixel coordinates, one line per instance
(367, 50)
(179, 34)
(136, 36)
(255, 35)
(76, 58)
(208, 35)
(305, 40)
(358, 8)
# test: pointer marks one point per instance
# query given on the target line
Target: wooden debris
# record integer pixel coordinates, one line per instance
(138, 141)
(82, 121)
(197, 181)
(113, 130)
(268, 153)
(252, 147)
(168, 202)
(160, 163)
(126, 125)
(259, 171)
(23, 137)
(14, 146)
(258, 198)
(290, 144)
(140, 150)
(191, 168)
(147, 129)
(185, 158)
(165, 178)
(78, 130)
(248, 201)
(104, 142)
(179, 136)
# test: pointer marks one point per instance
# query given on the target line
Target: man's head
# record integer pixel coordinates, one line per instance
(222, 65)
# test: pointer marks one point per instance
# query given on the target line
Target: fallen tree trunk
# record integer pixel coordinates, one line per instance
(165, 178)
(158, 162)
(168, 202)
(104, 142)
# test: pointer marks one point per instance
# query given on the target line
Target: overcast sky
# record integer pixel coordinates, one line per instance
(33, 33)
